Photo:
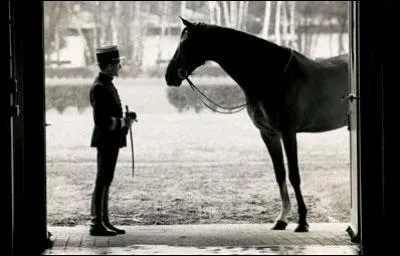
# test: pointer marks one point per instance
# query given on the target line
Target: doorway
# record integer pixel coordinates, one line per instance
(70, 117)
(34, 163)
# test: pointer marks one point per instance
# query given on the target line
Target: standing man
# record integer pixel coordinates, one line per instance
(109, 135)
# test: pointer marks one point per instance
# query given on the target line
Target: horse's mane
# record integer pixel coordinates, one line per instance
(255, 40)
(207, 26)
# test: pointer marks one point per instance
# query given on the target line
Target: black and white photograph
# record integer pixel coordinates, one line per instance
(194, 128)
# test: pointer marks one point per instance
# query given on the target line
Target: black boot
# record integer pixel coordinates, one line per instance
(113, 228)
(106, 219)
(97, 227)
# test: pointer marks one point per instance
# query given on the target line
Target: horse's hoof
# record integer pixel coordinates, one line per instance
(302, 228)
(279, 225)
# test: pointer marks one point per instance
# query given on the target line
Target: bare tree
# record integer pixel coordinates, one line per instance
(234, 13)
(339, 11)
(55, 17)
(226, 13)
(292, 26)
(125, 23)
(285, 24)
(183, 11)
(215, 12)
(165, 10)
(278, 22)
(114, 22)
(107, 22)
(307, 10)
(138, 33)
(267, 18)
(244, 14)
(77, 15)
(96, 11)
(57, 36)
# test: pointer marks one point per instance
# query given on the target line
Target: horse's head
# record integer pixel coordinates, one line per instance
(188, 55)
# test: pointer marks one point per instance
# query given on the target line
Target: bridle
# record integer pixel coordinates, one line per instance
(182, 73)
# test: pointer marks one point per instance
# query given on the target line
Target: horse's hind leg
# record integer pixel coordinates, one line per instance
(274, 147)
(290, 144)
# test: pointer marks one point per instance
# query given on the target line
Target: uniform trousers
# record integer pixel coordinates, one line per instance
(107, 156)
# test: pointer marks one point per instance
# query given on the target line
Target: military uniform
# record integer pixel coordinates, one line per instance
(108, 136)
(107, 113)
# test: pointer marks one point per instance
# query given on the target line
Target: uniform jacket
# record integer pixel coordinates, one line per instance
(107, 113)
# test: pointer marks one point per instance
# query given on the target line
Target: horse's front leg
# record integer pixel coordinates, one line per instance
(290, 144)
(274, 147)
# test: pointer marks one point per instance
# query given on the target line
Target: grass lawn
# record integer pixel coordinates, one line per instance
(192, 168)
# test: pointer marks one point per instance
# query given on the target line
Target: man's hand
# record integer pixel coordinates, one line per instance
(129, 118)
(127, 122)
(131, 115)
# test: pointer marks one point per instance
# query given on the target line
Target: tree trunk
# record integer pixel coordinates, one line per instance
(242, 15)
(226, 13)
(57, 43)
(162, 30)
(278, 22)
(211, 11)
(233, 14)
(239, 24)
(330, 37)
(245, 15)
(137, 55)
(343, 23)
(96, 26)
(52, 16)
(285, 24)
(218, 14)
(130, 30)
(292, 25)
(267, 18)
(114, 22)
(125, 20)
(183, 12)
(109, 20)
(78, 27)
(57, 36)
(307, 35)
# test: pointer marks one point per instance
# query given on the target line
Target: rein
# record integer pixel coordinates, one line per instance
(228, 110)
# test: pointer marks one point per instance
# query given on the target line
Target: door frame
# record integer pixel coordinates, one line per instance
(373, 149)
(26, 126)
(26, 178)
(353, 122)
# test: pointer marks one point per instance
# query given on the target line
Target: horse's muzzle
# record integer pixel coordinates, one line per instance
(172, 76)
(175, 82)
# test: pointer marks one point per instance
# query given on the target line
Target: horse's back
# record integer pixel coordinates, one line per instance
(322, 94)
(339, 63)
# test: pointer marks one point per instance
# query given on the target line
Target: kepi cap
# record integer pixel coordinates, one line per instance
(108, 54)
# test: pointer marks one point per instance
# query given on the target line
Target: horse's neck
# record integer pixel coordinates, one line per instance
(244, 57)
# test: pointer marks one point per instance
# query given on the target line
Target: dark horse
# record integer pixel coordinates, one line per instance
(286, 93)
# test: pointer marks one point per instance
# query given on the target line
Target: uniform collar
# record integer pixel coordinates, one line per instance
(105, 77)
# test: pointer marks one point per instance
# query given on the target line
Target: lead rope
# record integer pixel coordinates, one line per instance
(229, 110)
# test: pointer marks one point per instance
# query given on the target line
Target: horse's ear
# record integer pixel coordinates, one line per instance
(185, 22)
